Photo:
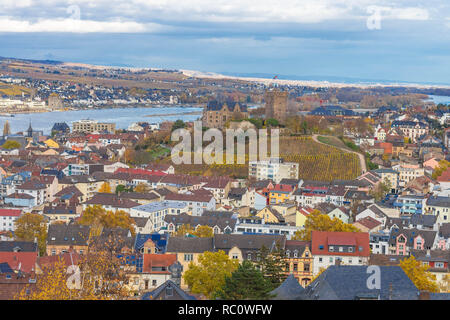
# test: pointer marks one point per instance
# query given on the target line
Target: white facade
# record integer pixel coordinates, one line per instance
(274, 169)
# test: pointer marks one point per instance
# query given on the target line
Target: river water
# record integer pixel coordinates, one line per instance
(122, 117)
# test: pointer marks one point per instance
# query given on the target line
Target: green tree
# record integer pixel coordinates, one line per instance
(381, 190)
(11, 144)
(272, 122)
(272, 265)
(419, 274)
(245, 283)
(29, 227)
(209, 275)
(179, 124)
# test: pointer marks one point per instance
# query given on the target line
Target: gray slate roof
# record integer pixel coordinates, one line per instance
(290, 289)
(350, 283)
(189, 245)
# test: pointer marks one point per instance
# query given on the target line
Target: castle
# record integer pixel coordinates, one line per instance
(276, 104)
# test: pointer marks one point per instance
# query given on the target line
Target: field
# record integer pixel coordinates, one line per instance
(13, 90)
(316, 162)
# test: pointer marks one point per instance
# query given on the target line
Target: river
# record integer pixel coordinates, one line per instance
(122, 117)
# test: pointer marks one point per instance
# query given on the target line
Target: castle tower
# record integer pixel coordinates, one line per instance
(276, 104)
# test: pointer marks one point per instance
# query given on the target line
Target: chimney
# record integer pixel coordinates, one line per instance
(424, 295)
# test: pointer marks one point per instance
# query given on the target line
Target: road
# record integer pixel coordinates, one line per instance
(362, 160)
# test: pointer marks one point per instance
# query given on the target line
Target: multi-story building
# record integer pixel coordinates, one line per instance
(410, 204)
(299, 261)
(345, 248)
(217, 114)
(274, 169)
(90, 126)
(411, 129)
(157, 211)
(7, 218)
(407, 173)
(438, 206)
(276, 104)
(389, 175)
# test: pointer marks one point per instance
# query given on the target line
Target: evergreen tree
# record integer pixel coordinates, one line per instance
(272, 264)
(246, 282)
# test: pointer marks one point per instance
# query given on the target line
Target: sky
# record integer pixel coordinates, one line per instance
(396, 40)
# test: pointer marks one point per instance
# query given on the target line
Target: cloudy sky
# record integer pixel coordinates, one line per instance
(396, 40)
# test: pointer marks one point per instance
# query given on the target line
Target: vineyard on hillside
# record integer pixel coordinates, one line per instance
(316, 161)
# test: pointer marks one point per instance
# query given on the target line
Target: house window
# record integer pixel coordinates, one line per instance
(235, 256)
(331, 249)
(188, 257)
(439, 265)
(154, 283)
(306, 267)
(295, 267)
(341, 249)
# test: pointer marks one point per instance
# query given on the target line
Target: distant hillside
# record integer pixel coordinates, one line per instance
(49, 62)
(13, 90)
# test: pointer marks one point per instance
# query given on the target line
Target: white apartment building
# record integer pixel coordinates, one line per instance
(274, 169)
(7, 219)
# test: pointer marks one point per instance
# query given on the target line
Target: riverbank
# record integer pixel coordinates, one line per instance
(122, 117)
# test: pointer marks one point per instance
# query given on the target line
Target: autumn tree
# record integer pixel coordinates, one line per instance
(322, 222)
(209, 274)
(105, 188)
(142, 188)
(118, 219)
(443, 166)
(201, 231)
(52, 285)
(29, 227)
(204, 232)
(97, 276)
(271, 262)
(98, 218)
(184, 230)
(11, 144)
(247, 282)
(419, 275)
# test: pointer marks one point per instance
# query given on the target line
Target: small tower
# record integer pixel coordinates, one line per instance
(30, 131)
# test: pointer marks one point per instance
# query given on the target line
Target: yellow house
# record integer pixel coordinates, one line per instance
(280, 193)
(299, 261)
(301, 216)
(270, 215)
(188, 250)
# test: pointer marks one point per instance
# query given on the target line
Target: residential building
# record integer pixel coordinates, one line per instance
(274, 169)
(348, 248)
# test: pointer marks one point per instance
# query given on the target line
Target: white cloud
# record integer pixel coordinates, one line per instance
(8, 24)
(138, 15)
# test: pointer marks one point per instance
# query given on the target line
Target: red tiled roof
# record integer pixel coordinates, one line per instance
(10, 212)
(140, 172)
(66, 258)
(158, 260)
(369, 222)
(25, 261)
(323, 238)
